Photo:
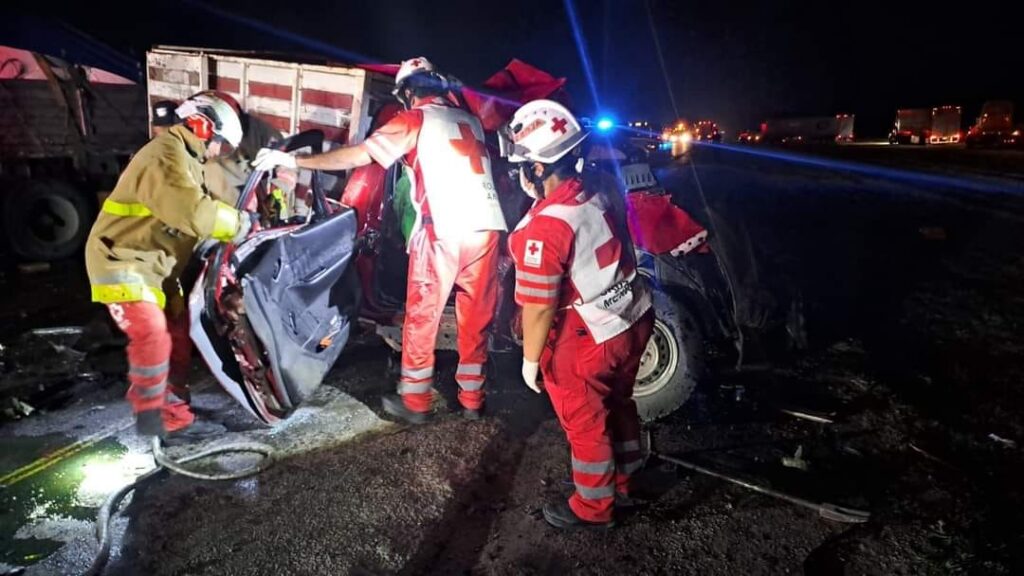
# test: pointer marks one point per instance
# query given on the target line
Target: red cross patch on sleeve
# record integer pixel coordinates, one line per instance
(533, 254)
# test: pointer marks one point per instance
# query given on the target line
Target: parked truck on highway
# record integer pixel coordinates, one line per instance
(812, 129)
(912, 126)
(66, 131)
(939, 125)
(946, 125)
(994, 127)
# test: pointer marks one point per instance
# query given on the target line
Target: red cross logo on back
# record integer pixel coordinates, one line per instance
(558, 125)
(470, 147)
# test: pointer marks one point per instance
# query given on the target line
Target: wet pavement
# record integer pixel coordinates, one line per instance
(913, 306)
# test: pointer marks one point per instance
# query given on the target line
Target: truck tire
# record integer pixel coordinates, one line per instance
(671, 363)
(45, 219)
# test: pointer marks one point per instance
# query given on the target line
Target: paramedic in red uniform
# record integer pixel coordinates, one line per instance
(454, 244)
(586, 312)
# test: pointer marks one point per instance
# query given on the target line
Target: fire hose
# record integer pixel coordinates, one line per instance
(109, 508)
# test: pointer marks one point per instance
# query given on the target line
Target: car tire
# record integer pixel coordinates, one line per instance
(45, 219)
(672, 361)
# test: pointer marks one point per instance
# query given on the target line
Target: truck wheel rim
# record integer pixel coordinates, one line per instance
(53, 220)
(658, 363)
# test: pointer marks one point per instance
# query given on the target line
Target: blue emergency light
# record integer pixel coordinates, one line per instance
(605, 124)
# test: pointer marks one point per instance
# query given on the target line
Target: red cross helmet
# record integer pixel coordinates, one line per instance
(210, 114)
(413, 66)
(543, 131)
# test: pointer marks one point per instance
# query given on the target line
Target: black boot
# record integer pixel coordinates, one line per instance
(393, 405)
(150, 423)
(473, 414)
(561, 516)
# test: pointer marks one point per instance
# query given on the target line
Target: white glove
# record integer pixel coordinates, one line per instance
(268, 159)
(530, 374)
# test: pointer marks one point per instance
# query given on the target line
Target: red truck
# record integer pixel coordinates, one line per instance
(939, 125)
(994, 127)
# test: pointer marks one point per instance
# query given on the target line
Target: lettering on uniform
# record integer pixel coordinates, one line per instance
(534, 253)
(527, 130)
(617, 293)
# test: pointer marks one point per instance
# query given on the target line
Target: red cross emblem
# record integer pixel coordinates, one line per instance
(558, 125)
(470, 147)
(534, 253)
(416, 63)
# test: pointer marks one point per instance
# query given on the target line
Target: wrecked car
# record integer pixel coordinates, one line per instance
(272, 316)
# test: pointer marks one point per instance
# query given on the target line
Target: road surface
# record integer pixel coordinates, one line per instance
(911, 292)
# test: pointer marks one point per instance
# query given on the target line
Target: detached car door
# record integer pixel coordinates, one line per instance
(271, 316)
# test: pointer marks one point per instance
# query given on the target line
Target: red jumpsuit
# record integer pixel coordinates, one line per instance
(159, 359)
(570, 253)
(454, 245)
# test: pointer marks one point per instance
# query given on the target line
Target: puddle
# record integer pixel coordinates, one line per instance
(43, 510)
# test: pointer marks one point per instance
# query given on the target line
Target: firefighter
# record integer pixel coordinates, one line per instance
(164, 116)
(587, 314)
(140, 244)
(454, 242)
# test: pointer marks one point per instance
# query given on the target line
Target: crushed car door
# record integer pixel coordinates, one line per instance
(271, 316)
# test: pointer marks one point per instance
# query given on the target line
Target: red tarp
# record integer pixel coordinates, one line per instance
(658, 226)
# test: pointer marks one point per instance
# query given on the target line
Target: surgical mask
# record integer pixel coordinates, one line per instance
(525, 183)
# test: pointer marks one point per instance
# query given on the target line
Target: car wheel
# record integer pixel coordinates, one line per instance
(671, 362)
(45, 219)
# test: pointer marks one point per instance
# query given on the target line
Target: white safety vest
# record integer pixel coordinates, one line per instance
(609, 302)
(456, 173)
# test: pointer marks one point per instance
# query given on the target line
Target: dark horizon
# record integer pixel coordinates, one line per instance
(735, 62)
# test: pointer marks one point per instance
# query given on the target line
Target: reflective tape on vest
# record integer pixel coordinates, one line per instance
(115, 293)
(131, 210)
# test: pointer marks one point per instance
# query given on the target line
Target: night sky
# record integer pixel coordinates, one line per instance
(735, 62)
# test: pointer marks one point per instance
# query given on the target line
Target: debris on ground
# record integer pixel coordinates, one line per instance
(796, 460)
(1004, 441)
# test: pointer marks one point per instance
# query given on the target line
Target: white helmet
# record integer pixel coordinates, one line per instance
(413, 66)
(542, 131)
(210, 114)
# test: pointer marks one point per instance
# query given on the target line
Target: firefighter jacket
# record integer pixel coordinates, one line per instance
(149, 225)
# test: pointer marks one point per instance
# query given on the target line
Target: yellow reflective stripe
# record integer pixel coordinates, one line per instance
(282, 204)
(113, 293)
(126, 209)
(225, 223)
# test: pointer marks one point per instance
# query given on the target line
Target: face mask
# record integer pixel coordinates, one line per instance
(525, 183)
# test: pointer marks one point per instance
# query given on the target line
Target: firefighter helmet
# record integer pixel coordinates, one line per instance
(212, 115)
